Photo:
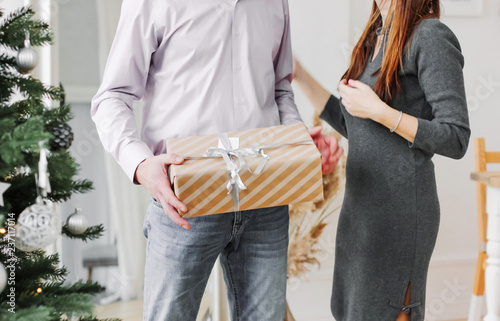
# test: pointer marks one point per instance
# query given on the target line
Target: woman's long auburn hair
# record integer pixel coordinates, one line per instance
(403, 17)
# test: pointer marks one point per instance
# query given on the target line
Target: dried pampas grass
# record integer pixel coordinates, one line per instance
(303, 250)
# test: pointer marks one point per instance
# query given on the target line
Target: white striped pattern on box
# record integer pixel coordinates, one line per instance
(292, 174)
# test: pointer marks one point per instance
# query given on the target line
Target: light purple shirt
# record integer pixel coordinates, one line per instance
(201, 67)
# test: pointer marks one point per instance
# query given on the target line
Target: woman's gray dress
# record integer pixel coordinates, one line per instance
(390, 216)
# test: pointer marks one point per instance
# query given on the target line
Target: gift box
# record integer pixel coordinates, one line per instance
(247, 169)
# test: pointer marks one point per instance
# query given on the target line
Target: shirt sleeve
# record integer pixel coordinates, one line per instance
(124, 80)
(439, 63)
(333, 115)
(283, 70)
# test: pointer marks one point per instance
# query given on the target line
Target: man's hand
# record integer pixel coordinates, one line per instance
(152, 174)
(329, 149)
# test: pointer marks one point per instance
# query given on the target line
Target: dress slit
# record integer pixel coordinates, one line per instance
(407, 299)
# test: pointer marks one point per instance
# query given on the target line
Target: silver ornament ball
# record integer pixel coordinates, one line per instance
(26, 60)
(38, 226)
(77, 222)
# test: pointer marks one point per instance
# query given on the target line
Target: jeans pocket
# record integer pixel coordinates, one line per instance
(156, 202)
(146, 225)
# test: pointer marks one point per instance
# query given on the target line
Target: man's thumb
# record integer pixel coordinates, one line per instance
(172, 159)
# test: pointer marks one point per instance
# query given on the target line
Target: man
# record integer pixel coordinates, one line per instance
(201, 67)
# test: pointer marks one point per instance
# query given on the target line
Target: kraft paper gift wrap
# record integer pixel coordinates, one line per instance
(291, 172)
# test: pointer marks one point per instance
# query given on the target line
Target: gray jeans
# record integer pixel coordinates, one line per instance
(253, 252)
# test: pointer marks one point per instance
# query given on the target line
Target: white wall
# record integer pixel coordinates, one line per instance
(322, 31)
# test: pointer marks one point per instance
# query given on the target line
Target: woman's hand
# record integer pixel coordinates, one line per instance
(360, 100)
(329, 149)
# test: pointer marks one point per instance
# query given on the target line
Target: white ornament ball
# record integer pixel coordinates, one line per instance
(77, 223)
(26, 60)
(3, 277)
(37, 227)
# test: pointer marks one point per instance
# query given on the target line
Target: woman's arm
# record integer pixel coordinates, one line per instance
(325, 104)
(317, 94)
(319, 97)
(361, 101)
(439, 63)
(407, 127)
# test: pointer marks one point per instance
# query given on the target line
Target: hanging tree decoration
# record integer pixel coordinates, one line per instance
(63, 133)
(26, 58)
(38, 225)
(63, 137)
(43, 173)
(77, 222)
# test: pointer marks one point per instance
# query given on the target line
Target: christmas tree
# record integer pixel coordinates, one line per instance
(36, 171)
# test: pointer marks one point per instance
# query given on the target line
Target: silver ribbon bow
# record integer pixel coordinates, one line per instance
(235, 184)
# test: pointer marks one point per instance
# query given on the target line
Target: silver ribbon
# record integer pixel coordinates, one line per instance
(230, 156)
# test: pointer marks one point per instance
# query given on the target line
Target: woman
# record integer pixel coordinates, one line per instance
(402, 101)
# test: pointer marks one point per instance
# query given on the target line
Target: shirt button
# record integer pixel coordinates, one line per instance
(237, 33)
(240, 101)
(238, 67)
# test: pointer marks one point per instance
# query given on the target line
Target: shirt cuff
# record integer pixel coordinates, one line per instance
(288, 113)
(291, 121)
(131, 156)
